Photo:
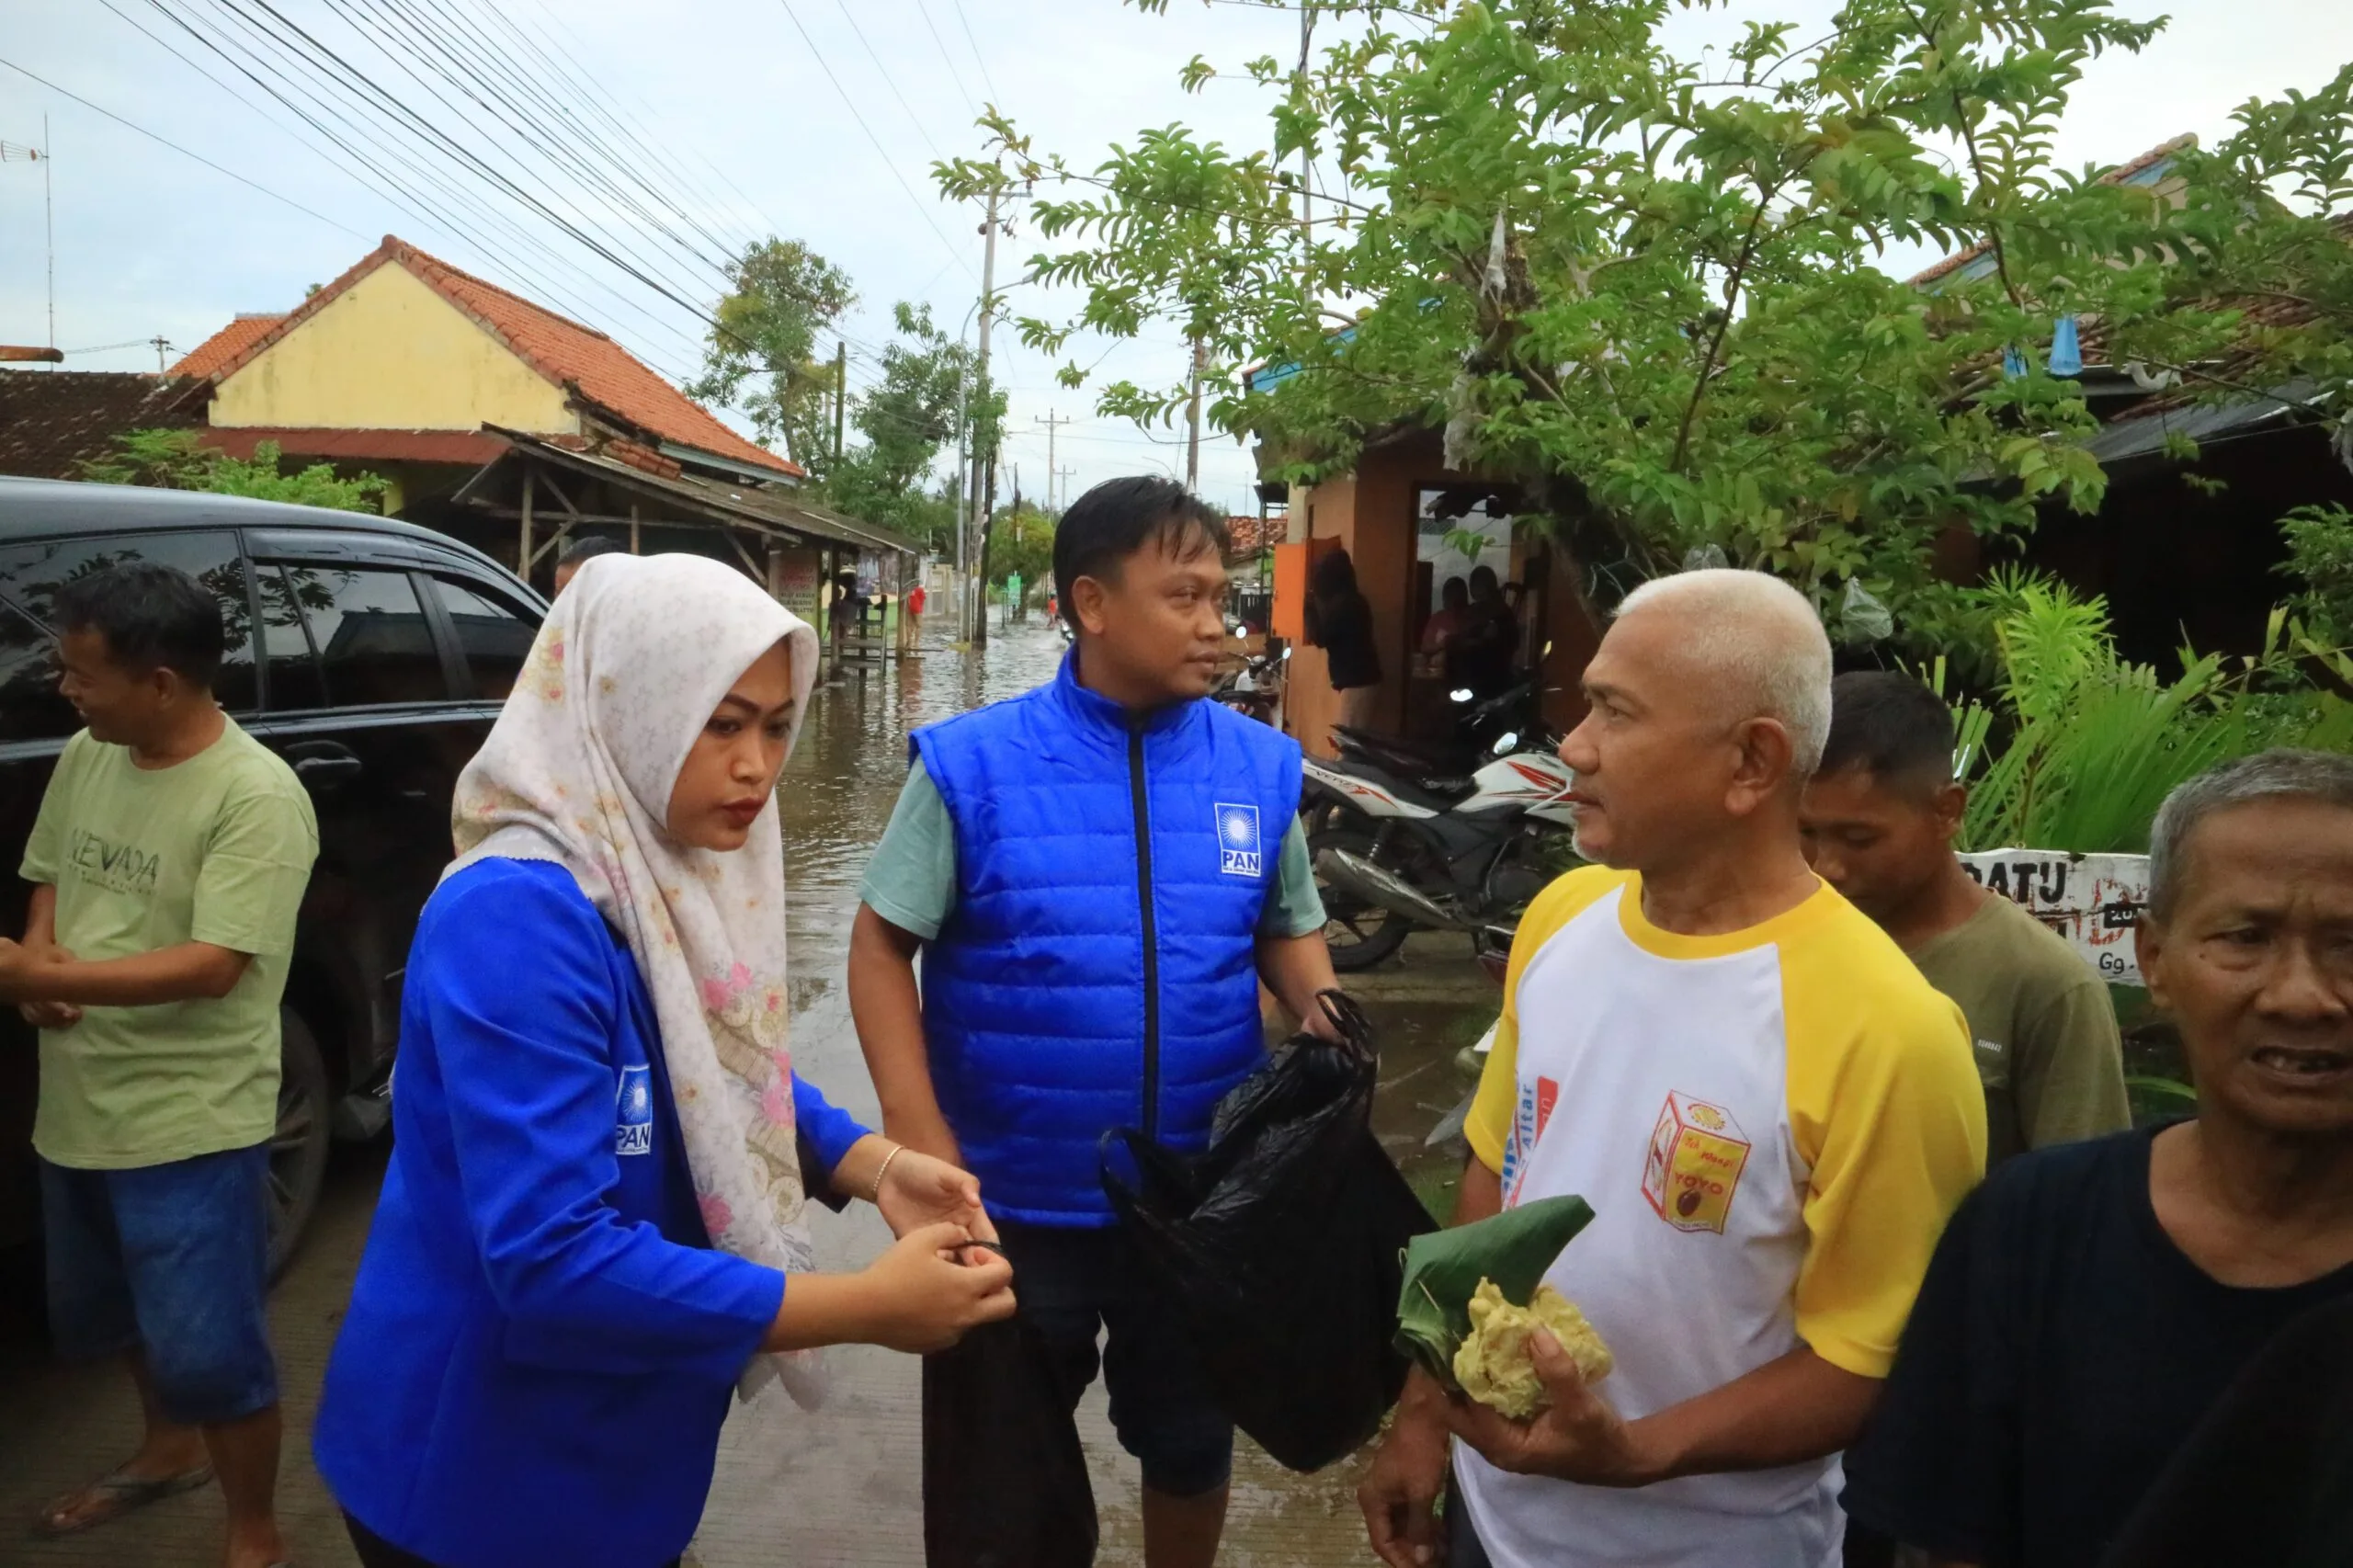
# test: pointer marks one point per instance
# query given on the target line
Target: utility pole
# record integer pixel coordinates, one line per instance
(967, 629)
(49, 224)
(841, 393)
(1062, 476)
(1051, 424)
(163, 347)
(1193, 422)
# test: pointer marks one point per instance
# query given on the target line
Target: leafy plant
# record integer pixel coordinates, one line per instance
(2090, 745)
(178, 459)
(2319, 557)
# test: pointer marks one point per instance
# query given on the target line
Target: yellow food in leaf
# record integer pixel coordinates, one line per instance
(1495, 1365)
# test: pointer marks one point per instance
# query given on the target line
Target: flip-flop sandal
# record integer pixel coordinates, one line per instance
(117, 1494)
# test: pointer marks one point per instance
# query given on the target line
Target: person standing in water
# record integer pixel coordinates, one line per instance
(593, 1227)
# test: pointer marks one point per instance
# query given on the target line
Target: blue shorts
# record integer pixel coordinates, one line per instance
(174, 1261)
(1072, 1281)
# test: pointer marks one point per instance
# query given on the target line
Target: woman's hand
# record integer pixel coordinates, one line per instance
(921, 1298)
(918, 1191)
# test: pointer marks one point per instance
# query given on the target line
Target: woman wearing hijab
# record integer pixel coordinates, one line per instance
(593, 1227)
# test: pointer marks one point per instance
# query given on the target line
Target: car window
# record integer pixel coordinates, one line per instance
(495, 640)
(292, 665)
(30, 708)
(31, 573)
(374, 643)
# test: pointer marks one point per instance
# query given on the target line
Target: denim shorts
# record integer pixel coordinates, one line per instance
(172, 1260)
(1071, 1281)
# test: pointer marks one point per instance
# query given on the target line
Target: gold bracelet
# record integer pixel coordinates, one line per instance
(882, 1170)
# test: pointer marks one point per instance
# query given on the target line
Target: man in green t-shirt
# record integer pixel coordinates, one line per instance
(167, 865)
(1879, 818)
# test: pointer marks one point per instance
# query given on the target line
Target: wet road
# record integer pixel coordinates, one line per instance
(810, 1490)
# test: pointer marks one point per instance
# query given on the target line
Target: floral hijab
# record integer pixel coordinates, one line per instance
(579, 770)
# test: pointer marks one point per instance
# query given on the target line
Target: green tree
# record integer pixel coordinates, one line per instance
(1642, 283)
(760, 357)
(178, 459)
(908, 420)
(1021, 540)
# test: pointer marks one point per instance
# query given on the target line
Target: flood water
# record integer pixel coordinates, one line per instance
(838, 1486)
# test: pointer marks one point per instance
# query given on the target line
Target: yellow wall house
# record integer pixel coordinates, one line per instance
(504, 424)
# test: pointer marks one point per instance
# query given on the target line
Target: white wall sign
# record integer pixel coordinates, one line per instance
(2094, 900)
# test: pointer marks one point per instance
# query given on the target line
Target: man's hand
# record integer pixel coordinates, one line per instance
(1400, 1494)
(50, 1014)
(918, 1191)
(1578, 1437)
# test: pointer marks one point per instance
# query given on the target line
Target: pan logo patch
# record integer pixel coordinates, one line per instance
(1238, 852)
(1696, 1153)
(634, 1112)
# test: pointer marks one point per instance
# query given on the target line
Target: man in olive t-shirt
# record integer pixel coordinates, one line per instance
(168, 863)
(1879, 818)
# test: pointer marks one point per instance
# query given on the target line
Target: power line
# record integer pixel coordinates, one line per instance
(850, 104)
(183, 152)
(882, 71)
(378, 177)
(953, 75)
(995, 98)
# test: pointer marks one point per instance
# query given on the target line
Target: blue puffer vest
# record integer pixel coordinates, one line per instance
(1098, 970)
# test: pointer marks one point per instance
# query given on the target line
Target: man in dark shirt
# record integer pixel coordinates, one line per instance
(2091, 1302)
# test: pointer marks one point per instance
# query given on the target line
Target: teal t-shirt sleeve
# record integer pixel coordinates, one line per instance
(911, 880)
(1294, 908)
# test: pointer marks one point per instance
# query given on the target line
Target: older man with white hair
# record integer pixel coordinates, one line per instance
(1771, 1113)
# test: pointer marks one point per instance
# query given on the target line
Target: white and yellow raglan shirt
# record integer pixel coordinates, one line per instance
(1772, 1126)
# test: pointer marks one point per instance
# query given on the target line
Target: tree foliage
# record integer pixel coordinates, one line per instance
(1643, 284)
(908, 420)
(1021, 540)
(760, 357)
(178, 459)
(2078, 747)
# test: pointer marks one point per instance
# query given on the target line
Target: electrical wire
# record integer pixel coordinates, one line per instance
(953, 73)
(183, 152)
(977, 57)
(851, 104)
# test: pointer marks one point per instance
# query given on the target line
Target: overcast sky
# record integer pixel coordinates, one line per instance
(737, 113)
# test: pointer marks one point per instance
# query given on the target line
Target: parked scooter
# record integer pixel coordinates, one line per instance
(1444, 769)
(1256, 686)
(1391, 855)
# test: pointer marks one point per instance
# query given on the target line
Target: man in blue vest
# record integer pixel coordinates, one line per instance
(1099, 873)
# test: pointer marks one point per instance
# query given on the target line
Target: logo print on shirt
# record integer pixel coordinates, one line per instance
(1536, 1102)
(634, 1112)
(1696, 1153)
(1237, 840)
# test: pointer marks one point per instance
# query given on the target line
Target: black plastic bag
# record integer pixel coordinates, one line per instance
(1005, 1482)
(1281, 1246)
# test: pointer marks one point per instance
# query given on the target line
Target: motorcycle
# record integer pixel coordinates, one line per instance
(1392, 855)
(1444, 768)
(1255, 687)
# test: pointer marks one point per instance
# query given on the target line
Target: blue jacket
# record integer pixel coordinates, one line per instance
(541, 1345)
(1098, 968)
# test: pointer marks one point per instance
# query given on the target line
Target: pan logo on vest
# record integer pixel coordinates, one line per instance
(1237, 840)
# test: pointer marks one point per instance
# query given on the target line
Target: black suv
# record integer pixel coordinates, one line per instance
(372, 655)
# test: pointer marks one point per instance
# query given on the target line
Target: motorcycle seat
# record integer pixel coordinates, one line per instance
(1413, 791)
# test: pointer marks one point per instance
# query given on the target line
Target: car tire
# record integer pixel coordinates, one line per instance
(298, 1144)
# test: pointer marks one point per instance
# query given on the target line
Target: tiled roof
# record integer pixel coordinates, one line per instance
(2124, 174)
(1242, 536)
(577, 358)
(208, 356)
(469, 447)
(52, 420)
